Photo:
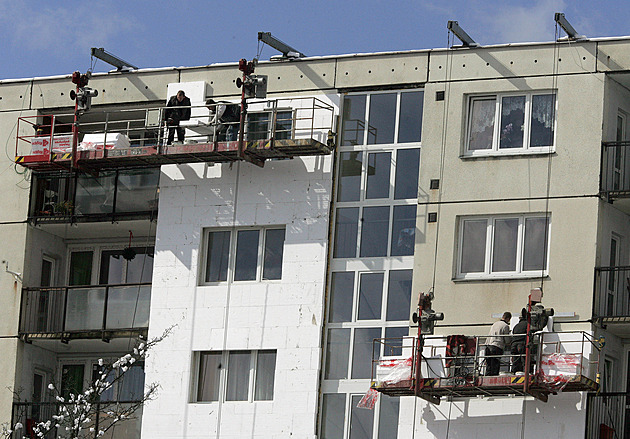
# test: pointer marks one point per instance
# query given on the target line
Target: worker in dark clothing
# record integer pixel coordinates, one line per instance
(519, 339)
(177, 109)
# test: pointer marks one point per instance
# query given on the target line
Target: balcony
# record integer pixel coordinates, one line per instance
(608, 415)
(112, 196)
(611, 299)
(614, 184)
(29, 414)
(85, 312)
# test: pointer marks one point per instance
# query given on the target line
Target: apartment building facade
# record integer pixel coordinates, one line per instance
(276, 280)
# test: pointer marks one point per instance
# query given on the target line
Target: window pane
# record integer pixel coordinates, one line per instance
(337, 354)
(128, 307)
(238, 375)
(346, 230)
(353, 120)
(140, 268)
(47, 273)
(512, 122)
(246, 255)
(379, 166)
(265, 374)
(382, 118)
(272, 259)
(209, 376)
(362, 351)
(131, 386)
(107, 395)
(341, 289)
(481, 127)
(80, 268)
(284, 124)
(403, 230)
(374, 230)
(505, 243)
(84, 309)
(362, 420)
(388, 417)
(407, 170)
(399, 295)
(112, 267)
(543, 116)
(95, 195)
(217, 257)
(534, 255)
(370, 296)
(333, 414)
(474, 246)
(350, 176)
(257, 126)
(410, 125)
(71, 380)
(137, 190)
(395, 336)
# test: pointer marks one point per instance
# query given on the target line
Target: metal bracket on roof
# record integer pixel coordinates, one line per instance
(120, 64)
(460, 33)
(566, 26)
(287, 51)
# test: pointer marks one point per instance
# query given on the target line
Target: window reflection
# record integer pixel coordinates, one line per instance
(353, 119)
(346, 229)
(378, 170)
(382, 118)
(350, 176)
(410, 125)
(375, 225)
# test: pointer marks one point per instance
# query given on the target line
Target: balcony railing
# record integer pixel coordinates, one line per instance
(84, 311)
(30, 414)
(608, 415)
(612, 292)
(111, 196)
(615, 170)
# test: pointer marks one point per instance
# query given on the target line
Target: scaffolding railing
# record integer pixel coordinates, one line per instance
(273, 119)
(557, 358)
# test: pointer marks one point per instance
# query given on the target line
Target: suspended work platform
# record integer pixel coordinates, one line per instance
(456, 366)
(128, 138)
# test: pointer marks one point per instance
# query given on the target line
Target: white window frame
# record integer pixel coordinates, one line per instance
(223, 376)
(97, 254)
(262, 236)
(495, 150)
(53, 269)
(488, 273)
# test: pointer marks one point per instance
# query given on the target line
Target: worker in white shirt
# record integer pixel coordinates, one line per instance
(224, 118)
(496, 342)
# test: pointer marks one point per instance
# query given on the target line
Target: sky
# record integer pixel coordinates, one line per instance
(54, 37)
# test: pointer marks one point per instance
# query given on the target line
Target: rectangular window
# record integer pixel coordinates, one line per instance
(505, 123)
(80, 268)
(259, 126)
(243, 255)
(236, 376)
(503, 246)
(382, 118)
